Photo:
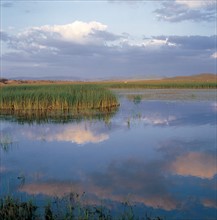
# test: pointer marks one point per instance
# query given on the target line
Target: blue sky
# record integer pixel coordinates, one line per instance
(107, 39)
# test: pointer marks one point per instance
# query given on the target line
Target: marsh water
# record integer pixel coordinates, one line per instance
(157, 152)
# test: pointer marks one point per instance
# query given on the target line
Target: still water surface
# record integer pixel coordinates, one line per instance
(158, 152)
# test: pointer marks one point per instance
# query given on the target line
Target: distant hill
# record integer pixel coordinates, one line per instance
(204, 77)
(207, 77)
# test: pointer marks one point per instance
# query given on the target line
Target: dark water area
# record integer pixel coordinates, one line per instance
(158, 152)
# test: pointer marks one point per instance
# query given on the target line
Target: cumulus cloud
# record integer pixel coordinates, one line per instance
(196, 4)
(155, 42)
(179, 10)
(65, 48)
(76, 32)
(49, 37)
(195, 42)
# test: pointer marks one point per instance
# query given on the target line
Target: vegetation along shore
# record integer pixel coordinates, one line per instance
(64, 98)
(200, 81)
(51, 98)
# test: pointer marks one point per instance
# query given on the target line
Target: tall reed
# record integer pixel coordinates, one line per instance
(48, 98)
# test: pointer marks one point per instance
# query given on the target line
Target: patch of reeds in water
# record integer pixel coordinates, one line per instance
(52, 100)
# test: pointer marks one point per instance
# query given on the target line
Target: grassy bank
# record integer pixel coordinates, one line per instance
(161, 85)
(199, 81)
(50, 98)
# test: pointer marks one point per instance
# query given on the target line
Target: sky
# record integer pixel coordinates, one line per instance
(107, 39)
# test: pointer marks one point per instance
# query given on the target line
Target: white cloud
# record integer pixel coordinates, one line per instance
(158, 43)
(64, 48)
(149, 43)
(196, 4)
(77, 31)
(183, 10)
(48, 37)
(214, 55)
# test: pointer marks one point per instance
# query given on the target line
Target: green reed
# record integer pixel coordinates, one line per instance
(50, 98)
(68, 208)
(13, 209)
(161, 85)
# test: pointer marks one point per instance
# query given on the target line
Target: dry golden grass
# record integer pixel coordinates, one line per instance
(200, 79)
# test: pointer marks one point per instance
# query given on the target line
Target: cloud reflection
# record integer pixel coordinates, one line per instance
(144, 183)
(151, 184)
(210, 203)
(197, 164)
(214, 106)
(153, 120)
(189, 158)
(3, 169)
(75, 133)
(54, 188)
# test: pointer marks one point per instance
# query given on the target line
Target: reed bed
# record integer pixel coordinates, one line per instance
(56, 98)
(161, 85)
(68, 208)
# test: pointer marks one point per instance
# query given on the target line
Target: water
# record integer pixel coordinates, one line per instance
(158, 152)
